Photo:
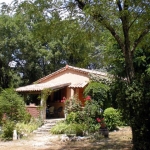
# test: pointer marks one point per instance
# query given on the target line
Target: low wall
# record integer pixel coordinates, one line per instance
(33, 110)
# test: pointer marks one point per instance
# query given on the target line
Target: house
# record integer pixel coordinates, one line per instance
(65, 82)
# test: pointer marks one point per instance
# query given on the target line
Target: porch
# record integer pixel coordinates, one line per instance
(55, 110)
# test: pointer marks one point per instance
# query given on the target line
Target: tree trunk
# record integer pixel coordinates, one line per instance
(141, 136)
(129, 67)
(140, 123)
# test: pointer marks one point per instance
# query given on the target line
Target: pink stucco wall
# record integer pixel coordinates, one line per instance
(69, 76)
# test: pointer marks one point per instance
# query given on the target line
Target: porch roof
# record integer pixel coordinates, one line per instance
(78, 85)
(41, 86)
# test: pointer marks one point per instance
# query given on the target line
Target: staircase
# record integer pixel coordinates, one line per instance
(48, 124)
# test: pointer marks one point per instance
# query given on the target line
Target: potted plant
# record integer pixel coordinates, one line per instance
(103, 127)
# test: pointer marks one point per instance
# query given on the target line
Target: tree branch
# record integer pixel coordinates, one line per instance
(98, 17)
(107, 25)
(119, 5)
(115, 35)
(139, 39)
(81, 4)
(134, 20)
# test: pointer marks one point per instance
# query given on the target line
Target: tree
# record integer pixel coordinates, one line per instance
(40, 41)
(8, 34)
(99, 91)
(128, 23)
(13, 106)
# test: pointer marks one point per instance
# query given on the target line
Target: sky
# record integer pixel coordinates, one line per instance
(6, 1)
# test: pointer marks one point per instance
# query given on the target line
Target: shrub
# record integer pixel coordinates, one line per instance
(7, 130)
(74, 128)
(64, 128)
(59, 128)
(91, 109)
(77, 117)
(112, 118)
(72, 105)
(13, 106)
(26, 128)
(99, 91)
(71, 118)
(86, 116)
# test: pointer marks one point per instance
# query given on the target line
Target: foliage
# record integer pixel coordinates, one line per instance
(45, 93)
(26, 128)
(75, 117)
(75, 128)
(128, 24)
(73, 104)
(32, 38)
(13, 106)
(59, 128)
(92, 108)
(132, 96)
(7, 130)
(72, 128)
(99, 92)
(72, 117)
(90, 112)
(79, 120)
(112, 118)
(121, 37)
(23, 128)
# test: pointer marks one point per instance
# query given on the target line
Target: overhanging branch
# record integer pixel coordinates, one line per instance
(139, 39)
(81, 4)
(119, 5)
(100, 18)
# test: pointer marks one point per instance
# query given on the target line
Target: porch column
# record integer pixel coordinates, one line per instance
(43, 107)
(72, 92)
(25, 98)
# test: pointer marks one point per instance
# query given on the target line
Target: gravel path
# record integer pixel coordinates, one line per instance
(118, 140)
(33, 142)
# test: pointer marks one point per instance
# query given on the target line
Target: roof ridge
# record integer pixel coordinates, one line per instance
(85, 69)
(71, 67)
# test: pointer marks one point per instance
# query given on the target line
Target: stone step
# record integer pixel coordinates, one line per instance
(43, 130)
(48, 124)
(39, 132)
(53, 120)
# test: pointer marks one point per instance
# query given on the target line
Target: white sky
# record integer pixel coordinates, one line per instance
(6, 1)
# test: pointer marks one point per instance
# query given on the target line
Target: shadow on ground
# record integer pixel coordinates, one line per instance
(118, 140)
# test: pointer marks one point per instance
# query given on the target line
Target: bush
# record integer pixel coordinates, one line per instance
(71, 118)
(7, 130)
(73, 105)
(77, 117)
(13, 106)
(92, 108)
(26, 128)
(112, 118)
(86, 116)
(99, 91)
(64, 128)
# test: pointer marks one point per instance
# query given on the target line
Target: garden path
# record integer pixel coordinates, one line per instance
(118, 140)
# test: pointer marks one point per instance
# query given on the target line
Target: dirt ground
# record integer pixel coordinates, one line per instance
(118, 140)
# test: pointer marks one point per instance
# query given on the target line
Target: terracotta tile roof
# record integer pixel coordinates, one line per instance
(86, 71)
(41, 86)
(38, 86)
(78, 85)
